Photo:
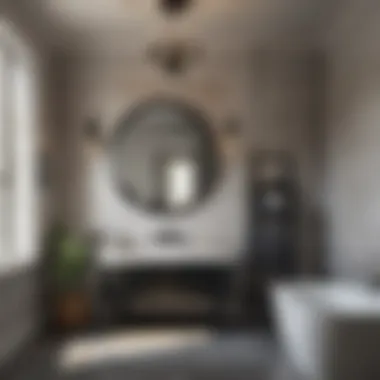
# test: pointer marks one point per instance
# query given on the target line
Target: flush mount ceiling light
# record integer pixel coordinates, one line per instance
(174, 6)
(174, 57)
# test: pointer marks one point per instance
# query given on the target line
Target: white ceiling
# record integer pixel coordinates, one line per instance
(130, 25)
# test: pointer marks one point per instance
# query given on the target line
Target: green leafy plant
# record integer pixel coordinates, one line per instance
(69, 260)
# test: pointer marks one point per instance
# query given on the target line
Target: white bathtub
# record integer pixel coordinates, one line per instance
(329, 330)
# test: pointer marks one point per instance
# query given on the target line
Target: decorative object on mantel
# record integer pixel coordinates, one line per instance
(174, 57)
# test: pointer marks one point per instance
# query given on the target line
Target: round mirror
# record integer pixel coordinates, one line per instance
(164, 157)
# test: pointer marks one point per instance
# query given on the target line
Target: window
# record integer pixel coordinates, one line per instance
(17, 157)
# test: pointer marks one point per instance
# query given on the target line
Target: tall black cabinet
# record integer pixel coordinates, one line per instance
(272, 239)
(273, 215)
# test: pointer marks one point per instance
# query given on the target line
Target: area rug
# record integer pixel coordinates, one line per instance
(127, 345)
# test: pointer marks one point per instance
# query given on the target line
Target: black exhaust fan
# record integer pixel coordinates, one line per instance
(174, 6)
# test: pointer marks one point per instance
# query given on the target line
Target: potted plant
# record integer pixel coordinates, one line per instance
(69, 268)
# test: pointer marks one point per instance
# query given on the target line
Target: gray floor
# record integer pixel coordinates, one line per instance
(234, 356)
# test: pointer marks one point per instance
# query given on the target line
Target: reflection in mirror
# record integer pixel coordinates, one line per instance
(163, 157)
(181, 186)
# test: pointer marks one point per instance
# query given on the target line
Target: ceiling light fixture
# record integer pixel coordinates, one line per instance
(174, 6)
(174, 57)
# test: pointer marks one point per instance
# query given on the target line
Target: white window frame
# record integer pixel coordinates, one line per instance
(18, 130)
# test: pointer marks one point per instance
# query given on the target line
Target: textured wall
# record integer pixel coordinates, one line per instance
(287, 89)
(276, 95)
(352, 160)
(352, 154)
(107, 88)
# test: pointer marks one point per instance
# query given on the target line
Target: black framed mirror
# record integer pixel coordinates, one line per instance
(164, 156)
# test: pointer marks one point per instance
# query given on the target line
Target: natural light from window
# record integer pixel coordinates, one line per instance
(18, 224)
